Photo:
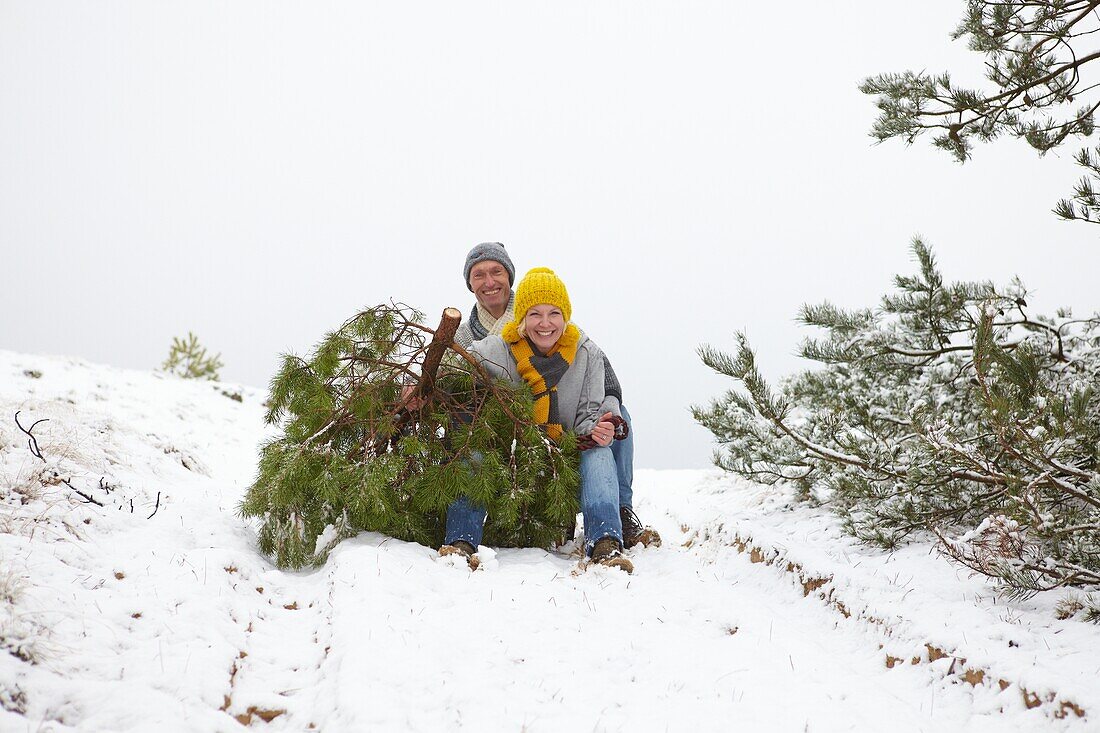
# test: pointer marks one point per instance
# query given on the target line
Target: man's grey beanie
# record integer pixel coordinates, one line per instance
(489, 251)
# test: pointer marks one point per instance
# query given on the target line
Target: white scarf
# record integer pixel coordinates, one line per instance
(496, 325)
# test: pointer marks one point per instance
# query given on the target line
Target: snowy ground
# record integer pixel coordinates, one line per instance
(155, 611)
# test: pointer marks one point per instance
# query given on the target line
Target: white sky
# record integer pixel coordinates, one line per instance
(258, 171)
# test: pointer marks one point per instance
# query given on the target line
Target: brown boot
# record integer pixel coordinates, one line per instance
(633, 531)
(464, 548)
(607, 552)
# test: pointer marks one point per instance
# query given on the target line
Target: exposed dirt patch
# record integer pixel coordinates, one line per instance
(821, 587)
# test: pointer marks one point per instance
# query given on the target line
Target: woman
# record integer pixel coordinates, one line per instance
(565, 371)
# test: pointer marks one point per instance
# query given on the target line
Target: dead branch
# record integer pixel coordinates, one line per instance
(32, 442)
(88, 499)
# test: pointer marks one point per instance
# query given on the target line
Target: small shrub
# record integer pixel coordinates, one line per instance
(188, 359)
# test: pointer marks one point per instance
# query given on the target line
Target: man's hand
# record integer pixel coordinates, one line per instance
(408, 400)
(604, 432)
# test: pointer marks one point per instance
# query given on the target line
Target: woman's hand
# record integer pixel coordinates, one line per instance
(604, 432)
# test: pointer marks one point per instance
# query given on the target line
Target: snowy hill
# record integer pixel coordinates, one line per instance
(132, 597)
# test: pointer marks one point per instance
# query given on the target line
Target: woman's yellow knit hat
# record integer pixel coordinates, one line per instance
(541, 285)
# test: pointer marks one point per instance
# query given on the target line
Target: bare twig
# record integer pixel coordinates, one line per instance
(88, 499)
(32, 442)
(156, 507)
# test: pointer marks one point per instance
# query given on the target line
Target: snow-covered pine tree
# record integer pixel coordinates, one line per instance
(949, 409)
(351, 457)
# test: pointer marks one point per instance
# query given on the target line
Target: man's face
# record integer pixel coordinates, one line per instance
(489, 281)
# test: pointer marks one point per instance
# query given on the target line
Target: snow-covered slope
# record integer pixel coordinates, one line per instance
(152, 609)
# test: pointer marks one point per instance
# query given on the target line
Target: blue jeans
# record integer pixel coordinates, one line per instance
(599, 503)
(600, 497)
(623, 450)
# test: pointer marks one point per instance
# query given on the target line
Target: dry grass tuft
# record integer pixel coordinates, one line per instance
(19, 635)
(13, 699)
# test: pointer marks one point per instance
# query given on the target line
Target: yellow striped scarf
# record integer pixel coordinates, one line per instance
(542, 372)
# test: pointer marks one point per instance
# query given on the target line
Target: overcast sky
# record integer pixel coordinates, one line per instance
(256, 172)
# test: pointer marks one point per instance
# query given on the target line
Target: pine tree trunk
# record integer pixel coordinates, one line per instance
(444, 337)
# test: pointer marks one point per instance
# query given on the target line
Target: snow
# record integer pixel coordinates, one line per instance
(325, 539)
(156, 611)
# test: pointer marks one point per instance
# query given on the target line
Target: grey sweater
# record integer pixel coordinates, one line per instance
(581, 396)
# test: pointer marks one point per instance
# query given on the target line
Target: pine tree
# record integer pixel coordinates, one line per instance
(949, 410)
(188, 359)
(353, 457)
(1037, 90)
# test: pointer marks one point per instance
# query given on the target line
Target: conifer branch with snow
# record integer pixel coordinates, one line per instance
(949, 409)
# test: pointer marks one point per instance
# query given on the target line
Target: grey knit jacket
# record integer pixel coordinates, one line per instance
(581, 397)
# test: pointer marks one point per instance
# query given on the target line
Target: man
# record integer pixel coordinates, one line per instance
(490, 275)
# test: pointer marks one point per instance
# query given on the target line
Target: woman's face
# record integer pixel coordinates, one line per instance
(545, 324)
